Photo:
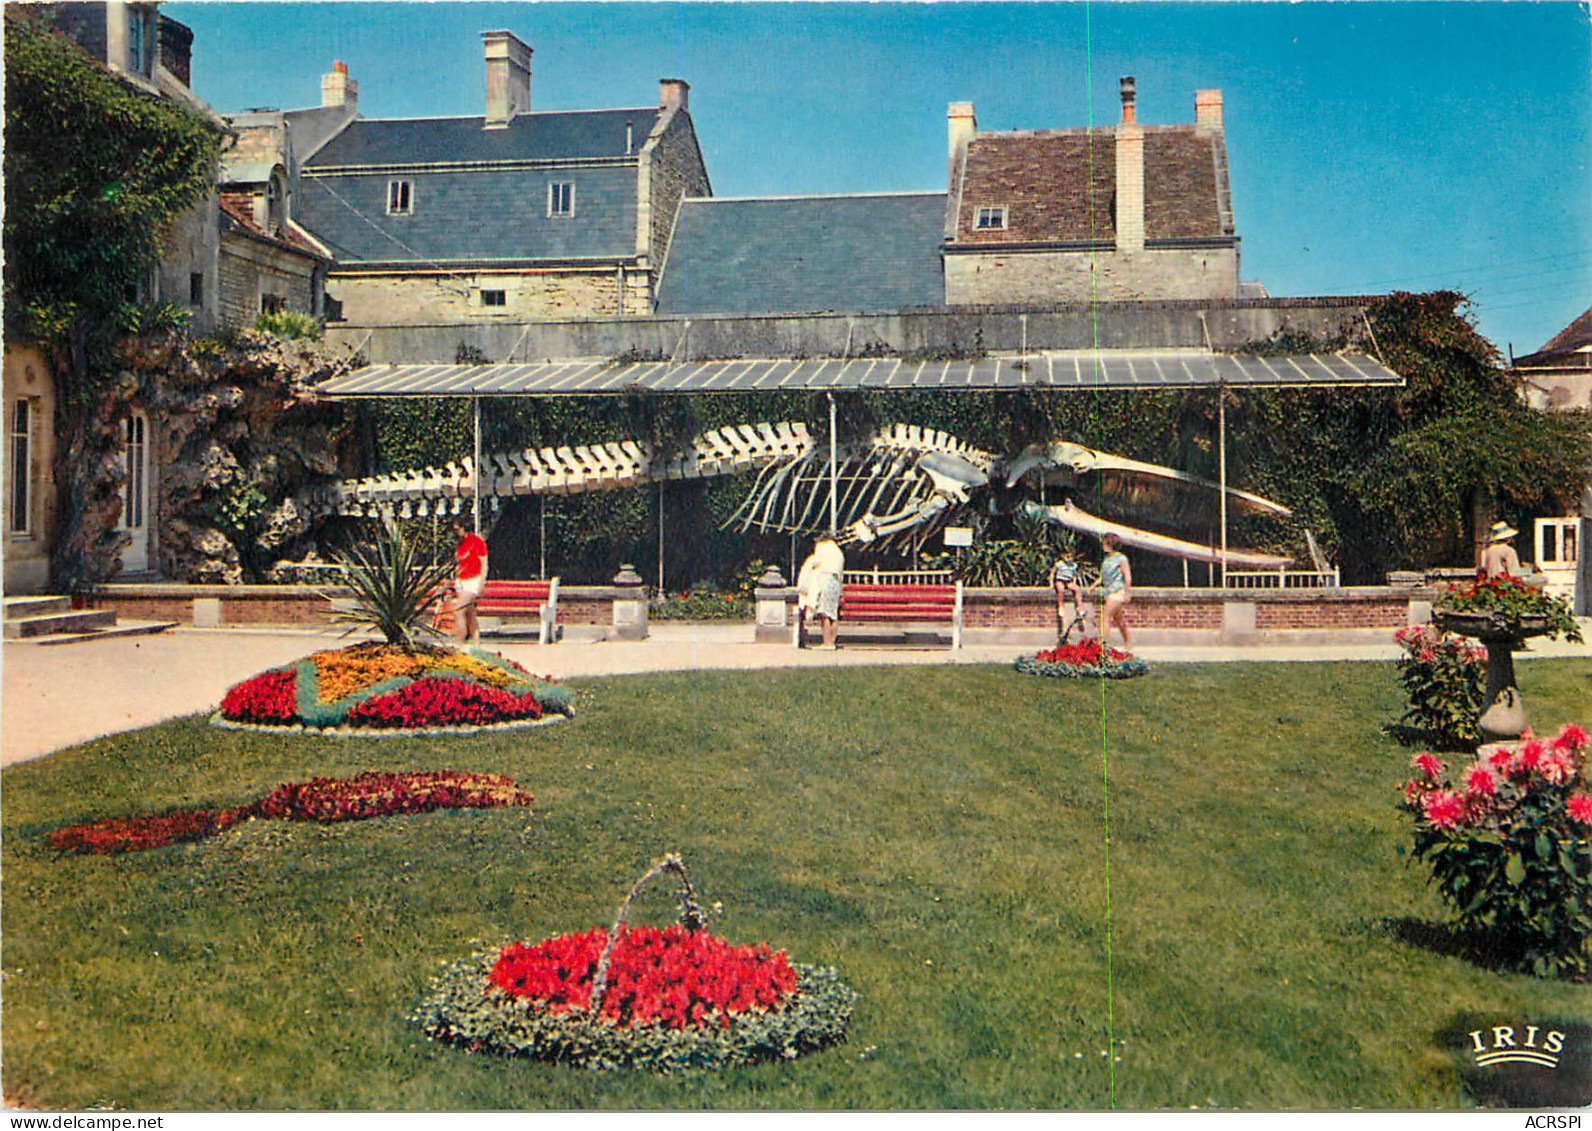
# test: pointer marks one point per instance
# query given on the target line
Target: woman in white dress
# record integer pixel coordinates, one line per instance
(818, 590)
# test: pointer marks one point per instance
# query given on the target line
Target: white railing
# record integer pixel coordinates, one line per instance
(896, 577)
(1282, 578)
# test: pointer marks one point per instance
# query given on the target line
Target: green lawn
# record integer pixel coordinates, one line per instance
(937, 833)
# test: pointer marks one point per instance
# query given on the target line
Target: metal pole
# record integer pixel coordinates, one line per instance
(1221, 443)
(660, 536)
(476, 402)
(833, 466)
(541, 540)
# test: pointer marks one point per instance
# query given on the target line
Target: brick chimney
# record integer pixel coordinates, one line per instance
(508, 77)
(1208, 111)
(961, 123)
(337, 89)
(675, 93)
(1130, 173)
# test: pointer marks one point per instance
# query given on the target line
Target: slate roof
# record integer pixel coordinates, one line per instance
(1059, 186)
(575, 135)
(1562, 348)
(476, 215)
(804, 254)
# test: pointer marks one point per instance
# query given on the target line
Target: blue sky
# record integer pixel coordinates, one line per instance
(1371, 146)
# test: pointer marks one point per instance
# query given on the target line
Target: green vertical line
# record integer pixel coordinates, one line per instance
(1094, 325)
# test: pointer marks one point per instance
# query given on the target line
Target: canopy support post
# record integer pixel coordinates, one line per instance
(834, 465)
(1221, 445)
(661, 589)
(476, 404)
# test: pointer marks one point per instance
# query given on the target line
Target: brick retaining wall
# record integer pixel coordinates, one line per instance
(296, 605)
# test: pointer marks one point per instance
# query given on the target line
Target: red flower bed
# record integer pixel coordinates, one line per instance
(322, 799)
(1085, 653)
(671, 977)
(131, 834)
(265, 698)
(385, 795)
(444, 702)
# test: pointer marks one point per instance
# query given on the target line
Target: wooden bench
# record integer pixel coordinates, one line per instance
(903, 606)
(519, 600)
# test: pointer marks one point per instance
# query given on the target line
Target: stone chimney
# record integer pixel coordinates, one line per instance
(508, 77)
(960, 126)
(1208, 111)
(675, 93)
(337, 89)
(1130, 174)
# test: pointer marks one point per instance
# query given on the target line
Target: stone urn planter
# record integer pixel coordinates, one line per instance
(1501, 635)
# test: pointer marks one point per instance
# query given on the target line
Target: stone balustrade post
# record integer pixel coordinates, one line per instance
(629, 605)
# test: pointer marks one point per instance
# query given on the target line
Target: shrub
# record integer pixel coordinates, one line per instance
(1443, 676)
(394, 587)
(291, 324)
(1507, 843)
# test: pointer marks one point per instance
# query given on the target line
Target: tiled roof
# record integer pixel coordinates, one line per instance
(1562, 346)
(529, 137)
(803, 254)
(237, 210)
(1059, 186)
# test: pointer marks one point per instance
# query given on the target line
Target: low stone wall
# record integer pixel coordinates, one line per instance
(216, 606)
(1171, 616)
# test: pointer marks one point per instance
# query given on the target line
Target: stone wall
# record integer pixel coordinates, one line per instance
(397, 300)
(676, 172)
(1113, 276)
(27, 552)
(250, 269)
(193, 247)
(1059, 326)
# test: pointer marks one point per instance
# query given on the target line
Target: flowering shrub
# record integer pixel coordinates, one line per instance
(670, 977)
(322, 799)
(1443, 676)
(1511, 600)
(701, 604)
(380, 686)
(1088, 658)
(1507, 839)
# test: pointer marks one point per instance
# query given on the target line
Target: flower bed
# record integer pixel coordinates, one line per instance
(1507, 603)
(322, 800)
(1507, 839)
(657, 999)
(383, 687)
(1089, 658)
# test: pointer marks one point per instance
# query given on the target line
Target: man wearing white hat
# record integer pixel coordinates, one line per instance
(1499, 557)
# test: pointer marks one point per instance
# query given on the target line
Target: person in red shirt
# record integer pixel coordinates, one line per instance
(470, 563)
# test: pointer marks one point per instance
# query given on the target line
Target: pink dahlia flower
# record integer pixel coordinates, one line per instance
(1444, 808)
(1479, 782)
(1579, 806)
(1429, 764)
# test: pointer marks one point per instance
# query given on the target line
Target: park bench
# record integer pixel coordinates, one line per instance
(903, 607)
(510, 601)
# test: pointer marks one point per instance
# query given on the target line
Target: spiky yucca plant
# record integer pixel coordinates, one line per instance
(394, 587)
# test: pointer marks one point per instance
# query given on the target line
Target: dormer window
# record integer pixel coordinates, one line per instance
(990, 218)
(561, 198)
(275, 202)
(400, 198)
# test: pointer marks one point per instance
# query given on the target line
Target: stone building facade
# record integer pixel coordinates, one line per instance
(1124, 212)
(27, 510)
(511, 216)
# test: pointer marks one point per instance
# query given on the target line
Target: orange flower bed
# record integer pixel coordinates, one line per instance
(343, 672)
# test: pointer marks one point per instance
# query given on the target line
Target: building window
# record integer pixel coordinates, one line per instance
(990, 218)
(272, 304)
(275, 201)
(137, 42)
(196, 288)
(400, 200)
(21, 465)
(133, 435)
(561, 198)
(494, 298)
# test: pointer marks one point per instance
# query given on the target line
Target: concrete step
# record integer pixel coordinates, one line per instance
(17, 607)
(56, 623)
(122, 628)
